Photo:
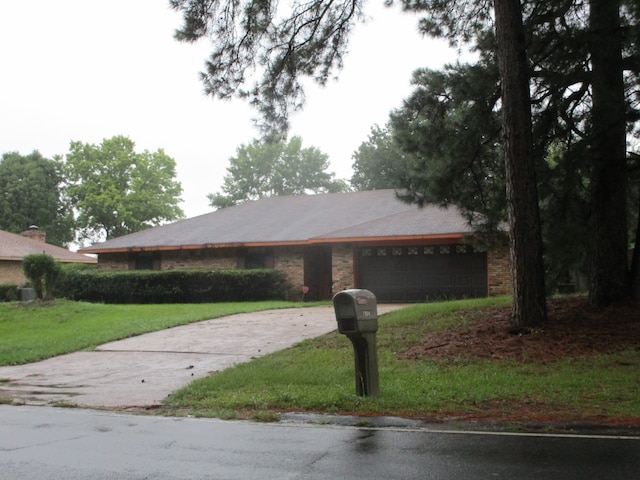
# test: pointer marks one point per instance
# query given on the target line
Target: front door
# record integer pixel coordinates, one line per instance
(317, 273)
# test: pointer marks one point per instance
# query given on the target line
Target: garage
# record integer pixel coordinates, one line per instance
(422, 273)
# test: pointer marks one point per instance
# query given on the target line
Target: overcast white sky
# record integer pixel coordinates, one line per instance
(86, 70)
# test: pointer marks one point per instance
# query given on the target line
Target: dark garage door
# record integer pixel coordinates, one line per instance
(424, 273)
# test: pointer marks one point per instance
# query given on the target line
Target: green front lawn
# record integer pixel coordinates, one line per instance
(34, 331)
(318, 376)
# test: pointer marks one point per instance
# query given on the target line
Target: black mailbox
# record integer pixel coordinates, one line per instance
(356, 311)
(357, 316)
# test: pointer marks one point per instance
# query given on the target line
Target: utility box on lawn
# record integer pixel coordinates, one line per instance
(356, 312)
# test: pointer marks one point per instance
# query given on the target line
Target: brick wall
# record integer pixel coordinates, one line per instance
(113, 261)
(175, 260)
(209, 259)
(11, 273)
(290, 260)
(342, 267)
(499, 271)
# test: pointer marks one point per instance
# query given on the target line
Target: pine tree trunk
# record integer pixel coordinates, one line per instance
(634, 274)
(608, 176)
(527, 271)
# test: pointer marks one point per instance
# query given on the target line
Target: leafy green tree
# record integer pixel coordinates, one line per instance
(473, 21)
(447, 137)
(252, 38)
(608, 155)
(450, 129)
(43, 272)
(564, 206)
(269, 169)
(310, 40)
(379, 162)
(525, 233)
(117, 191)
(634, 221)
(31, 193)
(584, 66)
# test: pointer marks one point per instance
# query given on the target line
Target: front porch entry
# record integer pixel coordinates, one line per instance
(317, 273)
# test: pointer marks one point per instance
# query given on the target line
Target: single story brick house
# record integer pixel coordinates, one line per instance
(328, 243)
(14, 247)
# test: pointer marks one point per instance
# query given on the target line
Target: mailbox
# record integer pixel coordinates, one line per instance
(357, 316)
(356, 311)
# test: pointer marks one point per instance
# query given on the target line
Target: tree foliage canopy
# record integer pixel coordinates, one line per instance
(451, 130)
(582, 69)
(448, 142)
(271, 45)
(31, 193)
(43, 272)
(304, 45)
(117, 191)
(379, 162)
(269, 169)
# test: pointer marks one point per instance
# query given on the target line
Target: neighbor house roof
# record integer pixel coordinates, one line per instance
(16, 247)
(303, 219)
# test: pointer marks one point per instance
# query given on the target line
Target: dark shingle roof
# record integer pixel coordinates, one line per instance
(16, 247)
(297, 220)
(431, 220)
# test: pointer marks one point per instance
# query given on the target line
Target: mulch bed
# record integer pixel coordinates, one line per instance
(573, 329)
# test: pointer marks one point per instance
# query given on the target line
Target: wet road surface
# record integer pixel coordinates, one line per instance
(52, 443)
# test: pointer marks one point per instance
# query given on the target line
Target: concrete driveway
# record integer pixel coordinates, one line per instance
(141, 371)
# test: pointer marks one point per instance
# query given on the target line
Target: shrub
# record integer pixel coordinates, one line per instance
(172, 286)
(8, 293)
(43, 272)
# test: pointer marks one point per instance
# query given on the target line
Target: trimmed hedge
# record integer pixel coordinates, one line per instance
(172, 286)
(43, 271)
(9, 293)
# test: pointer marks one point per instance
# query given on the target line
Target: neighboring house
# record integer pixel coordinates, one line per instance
(13, 248)
(372, 240)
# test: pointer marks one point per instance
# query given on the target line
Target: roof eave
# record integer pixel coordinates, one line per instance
(446, 237)
(441, 237)
(159, 248)
(61, 260)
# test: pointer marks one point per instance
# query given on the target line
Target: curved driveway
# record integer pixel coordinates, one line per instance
(141, 371)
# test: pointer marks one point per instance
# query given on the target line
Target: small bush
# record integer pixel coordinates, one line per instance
(173, 286)
(43, 272)
(8, 293)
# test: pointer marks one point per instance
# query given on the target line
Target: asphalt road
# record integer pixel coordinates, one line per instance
(51, 443)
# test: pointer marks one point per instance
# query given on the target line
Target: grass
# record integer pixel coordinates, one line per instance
(318, 376)
(34, 331)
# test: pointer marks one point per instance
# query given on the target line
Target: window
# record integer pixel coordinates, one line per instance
(144, 261)
(464, 249)
(258, 258)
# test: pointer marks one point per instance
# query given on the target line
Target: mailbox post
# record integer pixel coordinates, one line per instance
(357, 316)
